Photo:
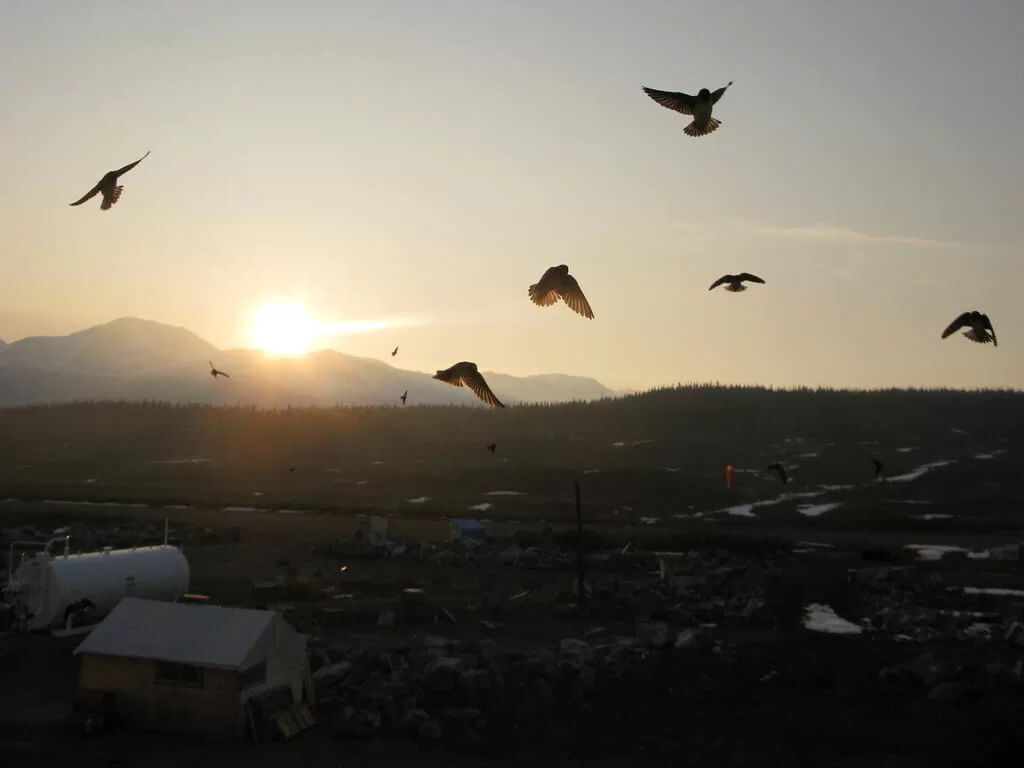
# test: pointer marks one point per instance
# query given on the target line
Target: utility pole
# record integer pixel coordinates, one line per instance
(580, 563)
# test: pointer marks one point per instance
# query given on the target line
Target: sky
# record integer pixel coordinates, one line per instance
(421, 164)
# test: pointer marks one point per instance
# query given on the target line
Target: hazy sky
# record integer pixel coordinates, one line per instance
(399, 158)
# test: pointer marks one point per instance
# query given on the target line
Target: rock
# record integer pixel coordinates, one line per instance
(687, 639)
(430, 730)
(352, 724)
(578, 649)
(442, 673)
(652, 634)
(945, 692)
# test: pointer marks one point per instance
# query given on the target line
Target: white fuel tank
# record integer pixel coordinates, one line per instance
(47, 584)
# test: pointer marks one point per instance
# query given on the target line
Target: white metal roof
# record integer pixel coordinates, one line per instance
(182, 633)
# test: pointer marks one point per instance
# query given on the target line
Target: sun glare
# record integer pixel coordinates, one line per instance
(282, 329)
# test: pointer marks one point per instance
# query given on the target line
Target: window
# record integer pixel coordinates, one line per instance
(179, 674)
(257, 673)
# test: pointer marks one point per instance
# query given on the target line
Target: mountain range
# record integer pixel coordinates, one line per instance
(135, 359)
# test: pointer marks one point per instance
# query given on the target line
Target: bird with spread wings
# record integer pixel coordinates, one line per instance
(699, 107)
(466, 373)
(108, 186)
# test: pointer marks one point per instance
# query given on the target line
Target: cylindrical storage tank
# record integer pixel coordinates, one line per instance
(48, 584)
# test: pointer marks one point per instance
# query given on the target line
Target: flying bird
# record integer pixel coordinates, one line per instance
(699, 107)
(779, 470)
(492, 447)
(108, 186)
(291, 469)
(556, 283)
(394, 351)
(980, 331)
(465, 373)
(879, 468)
(404, 395)
(215, 373)
(735, 282)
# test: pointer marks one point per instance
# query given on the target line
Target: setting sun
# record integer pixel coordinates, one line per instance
(282, 329)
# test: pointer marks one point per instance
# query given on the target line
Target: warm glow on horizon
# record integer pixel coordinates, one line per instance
(282, 329)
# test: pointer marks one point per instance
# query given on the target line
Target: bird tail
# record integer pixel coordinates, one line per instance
(109, 201)
(981, 338)
(702, 130)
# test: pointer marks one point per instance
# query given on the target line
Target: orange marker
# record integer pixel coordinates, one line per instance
(728, 477)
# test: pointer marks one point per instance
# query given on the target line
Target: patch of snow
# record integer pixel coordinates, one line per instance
(812, 455)
(418, 500)
(813, 510)
(295, 511)
(378, 461)
(183, 461)
(618, 444)
(649, 520)
(932, 516)
(915, 474)
(815, 544)
(989, 455)
(868, 442)
(934, 551)
(177, 506)
(590, 471)
(821, 618)
(958, 431)
(742, 510)
(91, 480)
(635, 443)
(908, 501)
(240, 509)
(483, 507)
(362, 482)
(835, 487)
(906, 450)
(673, 469)
(504, 493)
(1002, 591)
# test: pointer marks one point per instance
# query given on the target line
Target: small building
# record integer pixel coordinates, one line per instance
(191, 667)
(466, 528)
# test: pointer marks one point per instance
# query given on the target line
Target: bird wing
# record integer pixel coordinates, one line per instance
(719, 281)
(960, 322)
(674, 100)
(716, 95)
(90, 194)
(987, 325)
(750, 278)
(543, 293)
(475, 381)
(572, 295)
(128, 167)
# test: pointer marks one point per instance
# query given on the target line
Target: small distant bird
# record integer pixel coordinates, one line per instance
(980, 331)
(556, 283)
(779, 470)
(215, 373)
(492, 447)
(466, 373)
(735, 282)
(404, 395)
(699, 107)
(394, 351)
(108, 186)
(291, 469)
(879, 468)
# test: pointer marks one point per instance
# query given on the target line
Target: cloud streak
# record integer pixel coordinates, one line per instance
(846, 235)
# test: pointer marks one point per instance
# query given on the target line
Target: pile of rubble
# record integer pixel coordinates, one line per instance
(437, 688)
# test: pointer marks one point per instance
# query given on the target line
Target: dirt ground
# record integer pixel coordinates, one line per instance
(777, 694)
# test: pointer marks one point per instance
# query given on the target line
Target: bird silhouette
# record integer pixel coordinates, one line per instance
(980, 330)
(291, 469)
(404, 395)
(215, 373)
(699, 107)
(492, 447)
(556, 283)
(394, 351)
(108, 186)
(779, 470)
(879, 468)
(735, 282)
(466, 373)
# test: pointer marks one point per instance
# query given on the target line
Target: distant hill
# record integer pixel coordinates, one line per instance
(135, 359)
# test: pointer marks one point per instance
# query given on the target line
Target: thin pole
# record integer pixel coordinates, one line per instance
(165, 531)
(580, 565)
